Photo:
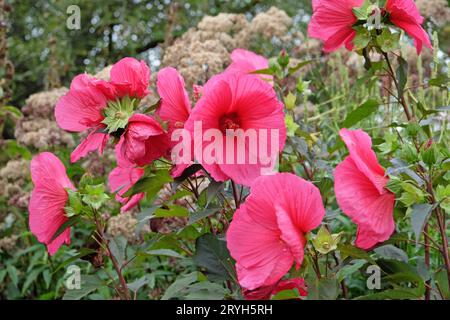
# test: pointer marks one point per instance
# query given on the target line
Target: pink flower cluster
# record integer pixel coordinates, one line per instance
(268, 234)
(332, 22)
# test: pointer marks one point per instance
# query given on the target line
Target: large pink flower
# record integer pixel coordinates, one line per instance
(175, 108)
(82, 108)
(359, 184)
(233, 101)
(144, 140)
(405, 15)
(267, 234)
(48, 200)
(332, 22)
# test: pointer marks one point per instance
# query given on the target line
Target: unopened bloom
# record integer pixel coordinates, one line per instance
(332, 22)
(144, 140)
(48, 200)
(359, 184)
(267, 234)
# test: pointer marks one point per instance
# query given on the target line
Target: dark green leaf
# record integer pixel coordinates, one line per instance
(360, 113)
(391, 252)
(419, 217)
(197, 216)
(89, 283)
(212, 256)
(70, 222)
(402, 73)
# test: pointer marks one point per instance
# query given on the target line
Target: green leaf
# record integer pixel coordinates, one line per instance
(118, 246)
(268, 71)
(83, 252)
(419, 217)
(165, 252)
(13, 274)
(89, 283)
(213, 189)
(197, 216)
(362, 38)
(212, 256)
(328, 289)
(291, 126)
(347, 250)
(298, 66)
(12, 110)
(402, 73)
(391, 252)
(13, 149)
(349, 269)
(180, 284)
(441, 81)
(171, 211)
(393, 294)
(362, 12)
(360, 113)
(150, 184)
(31, 277)
(205, 290)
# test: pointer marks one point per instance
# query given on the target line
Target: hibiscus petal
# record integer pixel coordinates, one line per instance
(361, 201)
(359, 145)
(94, 141)
(46, 165)
(130, 77)
(175, 105)
(81, 107)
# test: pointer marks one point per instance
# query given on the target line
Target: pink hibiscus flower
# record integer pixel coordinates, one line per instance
(265, 293)
(332, 22)
(405, 15)
(83, 107)
(359, 184)
(122, 178)
(244, 61)
(233, 101)
(48, 199)
(175, 108)
(267, 234)
(144, 141)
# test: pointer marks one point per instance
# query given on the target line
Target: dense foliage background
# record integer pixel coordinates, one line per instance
(175, 255)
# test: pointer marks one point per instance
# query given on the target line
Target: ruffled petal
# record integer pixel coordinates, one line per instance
(81, 107)
(94, 141)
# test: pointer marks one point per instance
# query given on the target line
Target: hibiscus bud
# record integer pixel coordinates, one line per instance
(289, 101)
(283, 59)
(325, 242)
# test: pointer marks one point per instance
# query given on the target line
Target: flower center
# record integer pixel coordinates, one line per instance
(229, 121)
(118, 112)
